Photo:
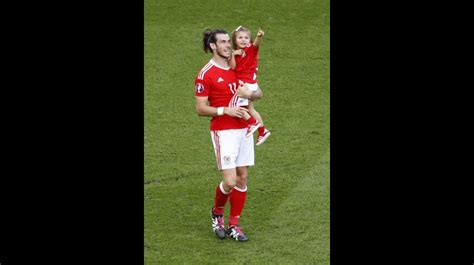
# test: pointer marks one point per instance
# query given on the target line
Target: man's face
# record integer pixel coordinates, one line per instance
(223, 45)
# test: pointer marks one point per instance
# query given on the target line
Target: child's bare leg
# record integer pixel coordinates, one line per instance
(246, 115)
(263, 132)
(254, 113)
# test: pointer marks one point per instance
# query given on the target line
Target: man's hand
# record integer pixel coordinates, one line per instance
(236, 112)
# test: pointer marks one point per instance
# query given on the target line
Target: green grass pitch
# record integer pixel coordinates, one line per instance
(286, 215)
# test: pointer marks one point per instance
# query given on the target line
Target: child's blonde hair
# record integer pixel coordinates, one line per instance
(234, 35)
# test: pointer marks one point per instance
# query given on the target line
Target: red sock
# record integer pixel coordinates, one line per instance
(220, 200)
(261, 130)
(237, 201)
(251, 120)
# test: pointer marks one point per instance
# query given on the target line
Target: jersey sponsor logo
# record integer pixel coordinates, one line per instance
(199, 88)
(220, 80)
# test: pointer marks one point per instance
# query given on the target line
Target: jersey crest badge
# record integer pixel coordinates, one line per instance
(199, 88)
(226, 160)
(220, 80)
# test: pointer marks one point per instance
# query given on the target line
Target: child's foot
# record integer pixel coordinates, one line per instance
(263, 137)
(252, 128)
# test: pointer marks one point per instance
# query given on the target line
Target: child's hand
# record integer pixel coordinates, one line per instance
(239, 52)
(260, 33)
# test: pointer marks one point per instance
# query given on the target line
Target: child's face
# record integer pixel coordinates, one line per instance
(242, 39)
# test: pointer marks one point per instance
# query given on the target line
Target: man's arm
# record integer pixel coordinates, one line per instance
(203, 109)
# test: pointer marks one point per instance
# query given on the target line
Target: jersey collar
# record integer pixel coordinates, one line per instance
(216, 65)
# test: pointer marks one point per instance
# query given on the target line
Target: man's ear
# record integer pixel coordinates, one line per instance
(213, 46)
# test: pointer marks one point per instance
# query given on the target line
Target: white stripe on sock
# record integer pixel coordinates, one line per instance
(241, 190)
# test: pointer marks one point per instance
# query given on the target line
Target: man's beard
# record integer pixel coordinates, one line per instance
(221, 55)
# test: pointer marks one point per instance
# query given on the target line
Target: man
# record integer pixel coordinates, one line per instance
(216, 85)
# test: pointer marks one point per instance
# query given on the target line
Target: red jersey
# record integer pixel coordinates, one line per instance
(219, 85)
(246, 67)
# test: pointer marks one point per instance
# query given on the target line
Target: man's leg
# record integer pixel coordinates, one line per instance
(237, 202)
(223, 191)
(224, 143)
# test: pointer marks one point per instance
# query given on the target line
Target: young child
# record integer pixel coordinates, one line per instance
(244, 61)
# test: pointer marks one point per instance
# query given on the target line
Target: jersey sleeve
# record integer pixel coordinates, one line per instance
(202, 87)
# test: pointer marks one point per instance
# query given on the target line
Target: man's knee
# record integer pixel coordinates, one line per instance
(229, 178)
(230, 183)
(242, 178)
(242, 174)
